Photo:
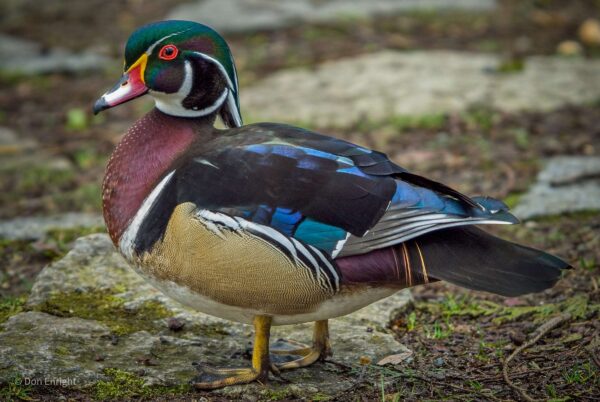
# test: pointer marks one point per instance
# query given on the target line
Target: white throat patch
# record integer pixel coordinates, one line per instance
(171, 104)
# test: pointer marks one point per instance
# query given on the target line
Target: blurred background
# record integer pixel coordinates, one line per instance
(491, 97)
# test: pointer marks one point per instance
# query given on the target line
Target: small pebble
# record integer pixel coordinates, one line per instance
(517, 337)
(438, 362)
(114, 339)
(589, 32)
(569, 48)
(438, 375)
(175, 324)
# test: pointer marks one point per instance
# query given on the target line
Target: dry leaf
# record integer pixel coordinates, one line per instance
(395, 359)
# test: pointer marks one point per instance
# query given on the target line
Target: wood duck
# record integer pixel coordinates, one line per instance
(269, 224)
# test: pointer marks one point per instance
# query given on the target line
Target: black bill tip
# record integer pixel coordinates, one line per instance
(100, 105)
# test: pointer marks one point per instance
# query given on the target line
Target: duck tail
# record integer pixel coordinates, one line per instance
(465, 256)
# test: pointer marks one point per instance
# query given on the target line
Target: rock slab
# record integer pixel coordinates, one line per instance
(26, 57)
(35, 228)
(377, 86)
(79, 349)
(251, 15)
(566, 184)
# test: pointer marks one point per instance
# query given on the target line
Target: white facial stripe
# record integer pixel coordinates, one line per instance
(152, 46)
(231, 99)
(234, 110)
(223, 71)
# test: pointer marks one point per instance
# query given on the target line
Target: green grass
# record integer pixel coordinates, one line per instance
(15, 390)
(476, 385)
(480, 117)
(588, 264)
(411, 321)
(579, 373)
(437, 331)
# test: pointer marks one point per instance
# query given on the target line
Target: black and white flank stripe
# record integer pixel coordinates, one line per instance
(322, 268)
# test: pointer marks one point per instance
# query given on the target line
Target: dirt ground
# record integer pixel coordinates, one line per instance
(461, 339)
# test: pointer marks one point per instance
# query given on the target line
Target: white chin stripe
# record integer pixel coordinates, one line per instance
(171, 104)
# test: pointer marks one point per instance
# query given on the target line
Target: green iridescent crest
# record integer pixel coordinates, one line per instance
(190, 36)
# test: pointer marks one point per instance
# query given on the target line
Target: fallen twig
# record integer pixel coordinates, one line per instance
(540, 332)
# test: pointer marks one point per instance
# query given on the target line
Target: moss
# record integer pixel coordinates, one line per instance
(512, 65)
(126, 385)
(460, 306)
(576, 216)
(85, 197)
(14, 78)
(58, 242)
(31, 179)
(212, 330)
(512, 199)
(578, 306)
(106, 308)
(10, 306)
(320, 397)
(64, 238)
(425, 122)
(61, 351)
(276, 394)
(14, 389)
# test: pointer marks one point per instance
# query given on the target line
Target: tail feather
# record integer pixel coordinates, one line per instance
(465, 256)
(472, 258)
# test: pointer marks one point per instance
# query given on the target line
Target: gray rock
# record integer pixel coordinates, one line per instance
(34, 228)
(26, 57)
(11, 143)
(249, 15)
(78, 347)
(18, 152)
(566, 184)
(377, 86)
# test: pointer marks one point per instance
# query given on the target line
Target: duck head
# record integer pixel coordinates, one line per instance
(186, 67)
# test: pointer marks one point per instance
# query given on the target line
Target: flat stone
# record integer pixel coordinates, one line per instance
(566, 184)
(377, 86)
(79, 349)
(26, 57)
(250, 15)
(12, 144)
(35, 228)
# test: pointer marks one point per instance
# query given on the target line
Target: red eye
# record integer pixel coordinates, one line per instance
(168, 52)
